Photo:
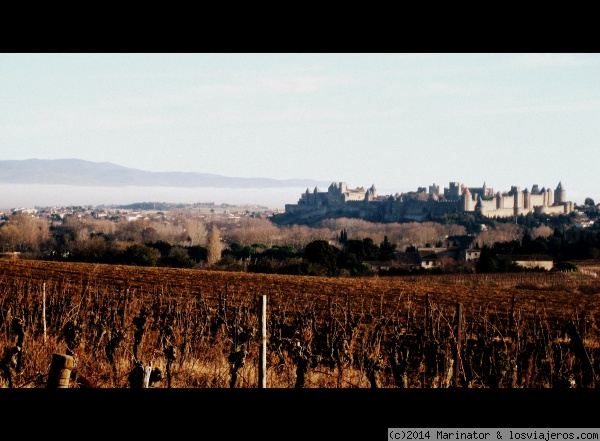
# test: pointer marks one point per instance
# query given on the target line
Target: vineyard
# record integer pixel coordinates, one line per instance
(200, 328)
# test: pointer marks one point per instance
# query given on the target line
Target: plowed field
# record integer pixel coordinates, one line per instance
(558, 291)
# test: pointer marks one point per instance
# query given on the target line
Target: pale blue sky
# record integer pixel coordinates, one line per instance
(398, 121)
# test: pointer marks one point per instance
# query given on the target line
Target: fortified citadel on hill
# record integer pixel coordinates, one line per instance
(340, 201)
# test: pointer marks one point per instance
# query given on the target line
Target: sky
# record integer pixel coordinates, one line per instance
(398, 121)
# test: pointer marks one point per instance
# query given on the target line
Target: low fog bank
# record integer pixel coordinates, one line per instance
(31, 196)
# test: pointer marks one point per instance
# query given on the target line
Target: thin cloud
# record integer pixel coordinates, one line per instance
(549, 60)
(90, 119)
(574, 106)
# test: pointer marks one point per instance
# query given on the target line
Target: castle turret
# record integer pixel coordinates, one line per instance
(517, 199)
(560, 194)
(526, 199)
(550, 196)
(544, 197)
(479, 204)
(305, 198)
(453, 192)
(467, 200)
(371, 194)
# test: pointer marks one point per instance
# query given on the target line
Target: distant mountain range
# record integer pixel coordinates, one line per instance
(78, 172)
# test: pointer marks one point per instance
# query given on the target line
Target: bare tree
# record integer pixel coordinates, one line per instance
(196, 231)
(214, 246)
(23, 232)
(541, 231)
(501, 233)
(250, 231)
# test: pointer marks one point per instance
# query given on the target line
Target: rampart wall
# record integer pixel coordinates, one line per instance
(339, 201)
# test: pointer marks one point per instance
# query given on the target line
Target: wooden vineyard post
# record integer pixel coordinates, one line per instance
(427, 327)
(535, 322)
(579, 349)
(139, 377)
(60, 371)
(459, 333)
(408, 313)
(347, 316)
(262, 359)
(124, 308)
(44, 309)
(512, 316)
(331, 323)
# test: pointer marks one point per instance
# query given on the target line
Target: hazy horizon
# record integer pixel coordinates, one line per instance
(395, 120)
(31, 196)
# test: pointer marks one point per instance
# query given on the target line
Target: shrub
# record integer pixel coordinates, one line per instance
(140, 255)
(565, 266)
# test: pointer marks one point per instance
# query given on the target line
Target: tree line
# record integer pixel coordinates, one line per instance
(331, 247)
